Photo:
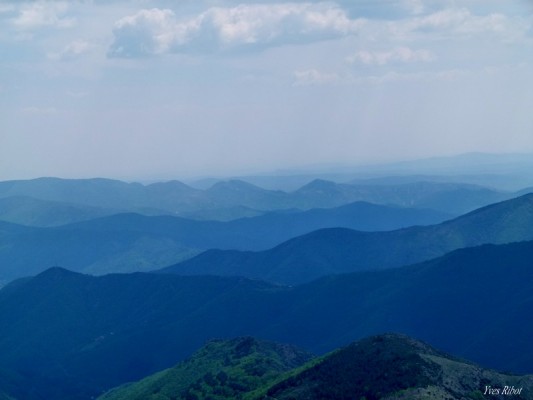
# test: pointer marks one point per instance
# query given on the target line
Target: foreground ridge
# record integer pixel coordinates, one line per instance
(388, 366)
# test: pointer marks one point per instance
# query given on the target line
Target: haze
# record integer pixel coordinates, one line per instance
(154, 88)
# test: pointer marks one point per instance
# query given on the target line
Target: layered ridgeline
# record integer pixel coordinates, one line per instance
(132, 242)
(28, 211)
(387, 366)
(72, 336)
(79, 199)
(455, 198)
(334, 251)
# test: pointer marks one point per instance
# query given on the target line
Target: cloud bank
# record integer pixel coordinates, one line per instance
(128, 87)
(158, 31)
(399, 54)
(42, 14)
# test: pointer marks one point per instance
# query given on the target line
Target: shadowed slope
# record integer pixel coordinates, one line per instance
(93, 333)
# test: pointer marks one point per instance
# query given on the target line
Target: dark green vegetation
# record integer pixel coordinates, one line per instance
(371, 369)
(393, 367)
(222, 369)
(333, 251)
(385, 366)
(94, 333)
(132, 242)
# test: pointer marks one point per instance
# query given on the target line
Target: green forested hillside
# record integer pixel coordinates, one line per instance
(222, 369)
(395, 367)
(389, 366)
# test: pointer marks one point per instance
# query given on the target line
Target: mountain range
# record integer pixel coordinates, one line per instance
(102, 241)
(29, 211)
(453, 198)
(337, 250)
(71, 200)
(386, 366)
(133, 242)
(314, 268)
(502, 171)
(73, 336)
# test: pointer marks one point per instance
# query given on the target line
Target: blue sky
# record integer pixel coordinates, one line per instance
(147, 89)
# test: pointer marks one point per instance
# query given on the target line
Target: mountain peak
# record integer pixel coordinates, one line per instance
(319, 183)
(171, 185)
(391, 366)
(57, 272)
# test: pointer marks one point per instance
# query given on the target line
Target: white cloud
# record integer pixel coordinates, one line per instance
(393, 76)
(399, 54)
(152, 31)
(266, 23)
(39, 110)
(77, 94)
(43, 14)
(72, 50)
(414, 6)
(314, 77)
(158, 31)
(461, 21)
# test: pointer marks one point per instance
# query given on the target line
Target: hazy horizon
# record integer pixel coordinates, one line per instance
(159, 89)
(503, 171)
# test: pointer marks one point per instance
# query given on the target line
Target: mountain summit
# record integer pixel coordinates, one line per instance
(388, 366)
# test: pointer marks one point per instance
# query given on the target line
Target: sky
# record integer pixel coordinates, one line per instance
(153, 89)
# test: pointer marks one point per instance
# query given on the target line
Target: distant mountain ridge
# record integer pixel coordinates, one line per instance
(502, 171)
(132, 242)
(94, 333)
(106, 193)
(334, 251)
(448, 197)
(43, 213)
(227, 199)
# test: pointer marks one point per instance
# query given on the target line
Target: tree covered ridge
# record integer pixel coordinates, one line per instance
(388, 366)
(222, 369)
